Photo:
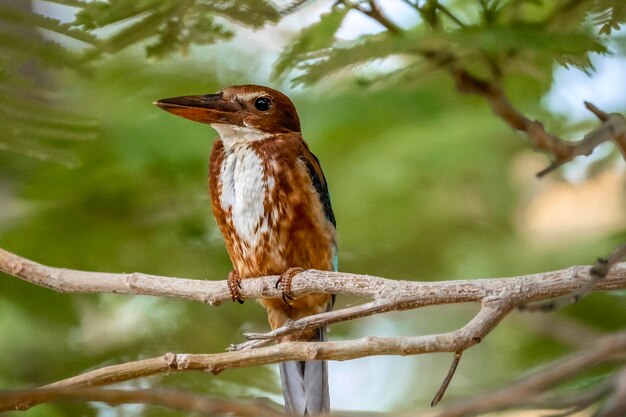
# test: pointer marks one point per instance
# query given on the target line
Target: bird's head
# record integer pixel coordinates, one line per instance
(240, 111)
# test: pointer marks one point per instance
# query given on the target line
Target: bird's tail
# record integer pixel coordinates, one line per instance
(305, 384)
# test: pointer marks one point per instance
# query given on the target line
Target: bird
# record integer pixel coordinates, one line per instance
(271, 202)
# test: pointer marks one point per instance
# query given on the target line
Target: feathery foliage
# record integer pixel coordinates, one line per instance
(32, 123)
(610, 15)
(176, 24)
(486, 37)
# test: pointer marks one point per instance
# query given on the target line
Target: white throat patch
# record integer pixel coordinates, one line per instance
(233, 135)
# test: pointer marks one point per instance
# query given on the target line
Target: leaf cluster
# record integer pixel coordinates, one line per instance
(486, 37)
(170, 25)
(32, 123)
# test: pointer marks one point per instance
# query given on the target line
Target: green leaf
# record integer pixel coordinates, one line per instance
(15, 16)
(176, 35)
(175, 24)
(205, 31)
(367, 48)
(253, 13)
(98, 14)
(517, 47)
(49, 53)
(140, 30)
(533, 43)
(609, 15)
(316, 37)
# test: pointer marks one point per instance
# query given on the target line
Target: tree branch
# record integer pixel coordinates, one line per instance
(610, 349)
(402, 294)
(597, 273)
(375, 13)
(613, 126)
(472, 333)
(497, 296)
(174, 399)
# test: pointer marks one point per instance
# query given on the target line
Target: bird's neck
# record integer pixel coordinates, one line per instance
(232, 135)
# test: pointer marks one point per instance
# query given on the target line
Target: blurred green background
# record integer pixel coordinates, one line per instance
(426, 184)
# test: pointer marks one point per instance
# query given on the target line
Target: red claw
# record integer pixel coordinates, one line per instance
(285, 283)
(234, 285)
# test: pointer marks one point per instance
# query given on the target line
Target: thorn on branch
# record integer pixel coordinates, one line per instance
(599, 113)
(550, 168)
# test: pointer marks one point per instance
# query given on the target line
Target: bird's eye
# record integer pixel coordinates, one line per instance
(263, 103)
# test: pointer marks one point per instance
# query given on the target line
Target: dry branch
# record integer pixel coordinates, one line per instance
(177, 400)
(388, 295)
(391, 294)
(610, 349)
(487, 318)
(597, 273)
(497, 297)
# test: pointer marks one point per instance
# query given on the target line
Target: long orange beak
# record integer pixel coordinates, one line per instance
(208, 108)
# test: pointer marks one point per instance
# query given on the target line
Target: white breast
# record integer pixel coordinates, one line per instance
(243, 190)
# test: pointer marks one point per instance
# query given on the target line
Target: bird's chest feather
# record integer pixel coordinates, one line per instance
(245, 189)
(268, 210)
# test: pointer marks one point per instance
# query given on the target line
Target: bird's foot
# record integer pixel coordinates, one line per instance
(284, 281)
(234, 285)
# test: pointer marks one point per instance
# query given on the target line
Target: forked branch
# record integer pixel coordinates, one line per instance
(497, 296)
(490, 314)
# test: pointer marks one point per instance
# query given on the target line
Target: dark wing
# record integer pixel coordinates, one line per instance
(314, 170)
(318, 180)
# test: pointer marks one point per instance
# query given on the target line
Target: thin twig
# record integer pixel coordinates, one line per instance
(375, 13)
(446, 381)
(292, 7)
(443, 9)
(574, 402)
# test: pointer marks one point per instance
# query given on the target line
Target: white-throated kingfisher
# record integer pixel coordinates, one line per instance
(271, 202)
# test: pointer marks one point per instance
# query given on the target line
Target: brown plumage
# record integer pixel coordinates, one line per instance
(271, 202)
(298, 233)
